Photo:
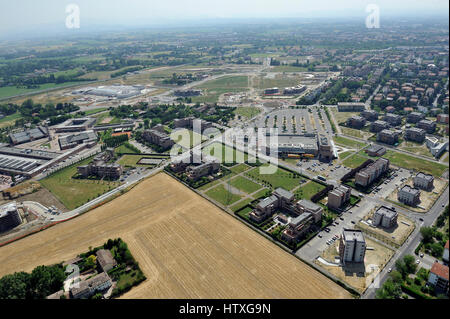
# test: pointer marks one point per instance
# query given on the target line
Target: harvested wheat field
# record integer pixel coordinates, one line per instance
(186, 247)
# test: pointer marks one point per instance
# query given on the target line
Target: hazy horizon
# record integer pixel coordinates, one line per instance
(31, 18)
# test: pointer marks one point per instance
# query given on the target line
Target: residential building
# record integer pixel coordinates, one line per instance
(427, 125)
(436, 148)
(339, 196)
(105, 260)
(9, 217)
(438, 277)
(415, 117)
(352, 246)
(158, 138)
(326, 149)
(375, 150)
(194, 173)
(101, 168)
(442, 118)
(297, 228)
(393, 119)
(356, 122)
(388, 137)
(368, 175)
(424, 181)
(385, 217)
(91, 286)
(294, 90)
(351, 107)
(445, 255)
(415, 134)
(190, 122)
(370, 115)
(280, 198)
(409, 196)
(378, 126)
(271, 91)
(305, 206)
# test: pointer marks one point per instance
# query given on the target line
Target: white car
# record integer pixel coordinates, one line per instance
(417, 261)
(389, 270)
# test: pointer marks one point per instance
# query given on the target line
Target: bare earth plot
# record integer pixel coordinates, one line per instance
(186, 247)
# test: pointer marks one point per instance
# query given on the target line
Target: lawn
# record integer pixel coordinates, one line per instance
(245, 185)
(239, 168)
(186, 138)
(282, 178)
(241, 205)
(348, 142)
(225, 153)
(223, 196)
(354, 161)
(124, 149)
(343, 155)
(132, 160)
(417, 164)
(308, 190)
(75, 192)
(247, 112)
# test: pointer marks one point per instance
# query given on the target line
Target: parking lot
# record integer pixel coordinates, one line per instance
(347, 220)
(391, 184)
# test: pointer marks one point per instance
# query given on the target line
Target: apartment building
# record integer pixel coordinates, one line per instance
(393, 119)
(427, 125)
(378, 126)
(424, 181)
(438, 277)
(375, 150)
(351, 107)
(194, 173)
(297, 228)
(442, 118)
(370, 115)
(388, 137)
(356, 122)
(280, 198)
(305, 206)
(409, 196)
(415, 134)
(158, 138)
(338, 197)
(352, 246)
(385, 217)
(366, 176)
(415, 117)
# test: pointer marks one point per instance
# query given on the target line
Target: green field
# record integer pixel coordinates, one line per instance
(245, 185)
(282, 178)
(225, 153)
(227, 84)
(241, 204)
(186, 138)
(223, 196)
(132, 160)
(354, 161)
(10, 119)
(247, 112)
(9, 91)
(240, 168)
(124, 149)
(308, 190)
(343, 155)
(95, 111)
(347, 142)
(417, 164)
(75, 192)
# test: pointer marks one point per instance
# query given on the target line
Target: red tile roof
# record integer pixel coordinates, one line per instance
(440, 270)
(446, 245)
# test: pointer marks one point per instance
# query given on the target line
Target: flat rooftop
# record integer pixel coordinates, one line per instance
(353, 235)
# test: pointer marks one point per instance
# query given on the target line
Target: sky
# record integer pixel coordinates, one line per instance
(28, 15)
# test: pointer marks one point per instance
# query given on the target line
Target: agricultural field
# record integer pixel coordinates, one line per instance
(185, 246)
(75, 192)
(213, 89)
(9, 91)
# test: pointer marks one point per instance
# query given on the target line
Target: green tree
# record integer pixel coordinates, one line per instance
(427, 234)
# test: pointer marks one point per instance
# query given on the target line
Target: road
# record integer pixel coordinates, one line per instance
(410, 245)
